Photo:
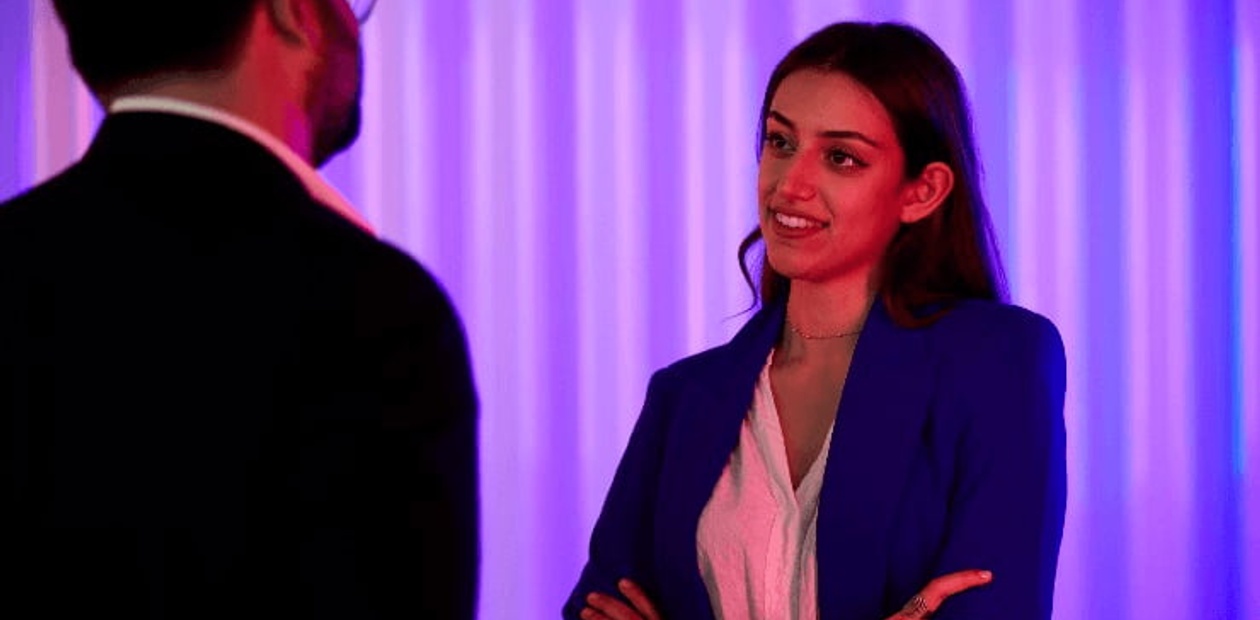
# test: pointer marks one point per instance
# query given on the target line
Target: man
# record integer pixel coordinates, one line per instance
(221, 396)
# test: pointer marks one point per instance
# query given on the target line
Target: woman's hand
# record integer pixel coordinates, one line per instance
(928, 600)
(605, 607)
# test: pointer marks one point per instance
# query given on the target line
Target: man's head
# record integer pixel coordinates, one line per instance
(302, 55)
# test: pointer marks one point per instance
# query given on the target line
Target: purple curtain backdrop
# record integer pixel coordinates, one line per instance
(579, 174)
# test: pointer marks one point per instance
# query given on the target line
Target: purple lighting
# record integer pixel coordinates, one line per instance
(579, 174)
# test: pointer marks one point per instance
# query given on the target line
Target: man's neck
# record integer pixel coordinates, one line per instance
(221, 92)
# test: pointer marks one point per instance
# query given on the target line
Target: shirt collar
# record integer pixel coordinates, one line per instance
(315, 184)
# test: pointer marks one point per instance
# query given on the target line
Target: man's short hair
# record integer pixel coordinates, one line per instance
(113, 42)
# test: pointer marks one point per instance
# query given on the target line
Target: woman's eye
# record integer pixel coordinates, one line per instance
(778, 142)
(842, 159)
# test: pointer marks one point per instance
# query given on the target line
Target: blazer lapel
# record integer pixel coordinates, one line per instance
(877, 431)
(712, 407)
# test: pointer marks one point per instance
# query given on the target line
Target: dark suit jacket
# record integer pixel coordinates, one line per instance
(220, 399)
(947, 454)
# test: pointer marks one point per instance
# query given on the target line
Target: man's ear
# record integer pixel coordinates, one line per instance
(925, 193)
(294, 21)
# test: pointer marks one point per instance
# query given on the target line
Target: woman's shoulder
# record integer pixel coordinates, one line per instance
(978, 317)
(990, 329)
(1001, 363)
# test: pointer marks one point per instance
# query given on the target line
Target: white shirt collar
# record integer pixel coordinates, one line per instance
(319, 189)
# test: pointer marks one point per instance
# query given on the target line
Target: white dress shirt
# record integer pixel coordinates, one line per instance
(756, 541)
(319, 189)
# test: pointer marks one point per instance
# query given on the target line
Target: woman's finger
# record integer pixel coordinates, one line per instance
(604, 606)
(926, 602)
(639, 598)
(590, 613)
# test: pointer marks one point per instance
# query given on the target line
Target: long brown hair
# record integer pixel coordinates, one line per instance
(950, 255)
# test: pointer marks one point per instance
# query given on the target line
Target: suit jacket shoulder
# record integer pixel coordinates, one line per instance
(189, 339)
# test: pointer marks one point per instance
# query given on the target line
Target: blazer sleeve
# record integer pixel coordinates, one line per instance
(1010, 492)
(415, 544)
(622, 540)
(433, 410)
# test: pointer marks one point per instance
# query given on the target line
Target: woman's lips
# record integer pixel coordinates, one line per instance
(795, 225)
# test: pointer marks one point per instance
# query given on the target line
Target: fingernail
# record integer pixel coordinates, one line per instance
(986, 575)
(624, 585)
(592, 598)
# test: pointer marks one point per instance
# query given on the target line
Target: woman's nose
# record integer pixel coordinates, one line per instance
(800, 180)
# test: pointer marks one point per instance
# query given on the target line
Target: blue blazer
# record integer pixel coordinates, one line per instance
(947, 454)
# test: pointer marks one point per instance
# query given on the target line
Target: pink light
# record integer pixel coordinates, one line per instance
(1156, 210)
(631, 241)
(738, 203)
(58, 96)
(1247, 244)
(697, 147)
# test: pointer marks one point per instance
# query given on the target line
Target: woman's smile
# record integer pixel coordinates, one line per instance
(795, 225)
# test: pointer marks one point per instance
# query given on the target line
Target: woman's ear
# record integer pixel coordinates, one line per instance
(925, 193)
(293, 20)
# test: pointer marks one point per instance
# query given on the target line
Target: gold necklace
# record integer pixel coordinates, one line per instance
(792, 326)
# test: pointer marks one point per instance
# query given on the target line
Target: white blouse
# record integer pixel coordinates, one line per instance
(757, 535)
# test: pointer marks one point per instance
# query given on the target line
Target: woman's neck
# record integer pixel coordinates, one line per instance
(824, 320)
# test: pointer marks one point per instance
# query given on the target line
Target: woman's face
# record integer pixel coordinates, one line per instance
(830, 185)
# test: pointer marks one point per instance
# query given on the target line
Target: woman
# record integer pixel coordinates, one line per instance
(883, 420)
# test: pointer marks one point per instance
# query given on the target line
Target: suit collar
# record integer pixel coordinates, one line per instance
(160, 132)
